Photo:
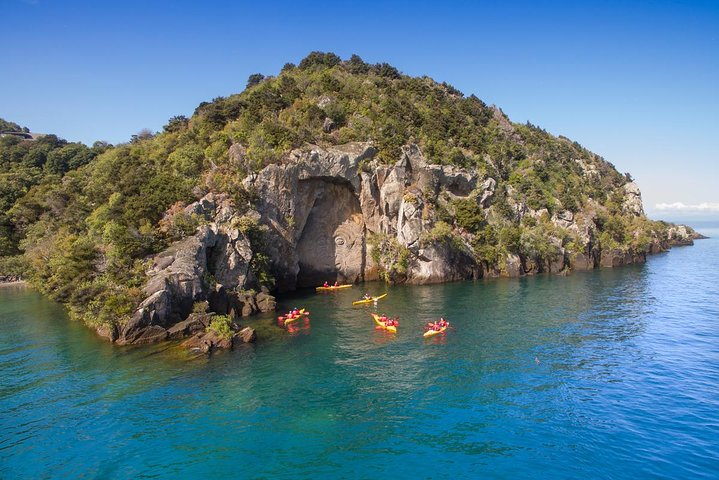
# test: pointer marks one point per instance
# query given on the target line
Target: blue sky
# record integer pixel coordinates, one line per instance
(636, 82)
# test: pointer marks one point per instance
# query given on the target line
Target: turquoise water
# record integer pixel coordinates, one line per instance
(606, 374)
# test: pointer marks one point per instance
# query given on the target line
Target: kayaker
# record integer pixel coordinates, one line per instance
(337, 284)
(366, 296)
(326, 284)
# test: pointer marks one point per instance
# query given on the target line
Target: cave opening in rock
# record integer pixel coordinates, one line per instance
(331, 245)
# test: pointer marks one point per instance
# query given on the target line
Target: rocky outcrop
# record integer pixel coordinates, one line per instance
(206, 340)
(681, 235)
(633, 200)
(212, 265)
(324, 206)
(325, 211)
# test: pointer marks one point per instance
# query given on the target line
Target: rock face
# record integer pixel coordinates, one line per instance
(337, 207)
(339, 214)
(633, 199)
(212, 265)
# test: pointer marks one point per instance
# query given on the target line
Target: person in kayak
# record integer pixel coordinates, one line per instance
(337, 284)
(366, 296)
(326, 284)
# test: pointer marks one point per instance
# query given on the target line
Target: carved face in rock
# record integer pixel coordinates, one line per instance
(332, 242)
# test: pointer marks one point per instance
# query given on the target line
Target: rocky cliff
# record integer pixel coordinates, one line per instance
(337, 214)
(332, 170)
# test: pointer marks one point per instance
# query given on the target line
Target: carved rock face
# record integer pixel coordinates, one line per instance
(332, 240)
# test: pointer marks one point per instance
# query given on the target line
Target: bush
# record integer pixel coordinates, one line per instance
(13, 266)
(469, 215)
(391, 257)
(200, 307)
(221, 325)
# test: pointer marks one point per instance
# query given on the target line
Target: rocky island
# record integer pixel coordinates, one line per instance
(331, 170)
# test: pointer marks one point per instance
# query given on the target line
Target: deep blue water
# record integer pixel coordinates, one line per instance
(605, 374)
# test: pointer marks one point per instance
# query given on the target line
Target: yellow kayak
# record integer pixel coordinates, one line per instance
(391, 328)
(330, 288)
(290, 319)
(369, 300)
(432, 333)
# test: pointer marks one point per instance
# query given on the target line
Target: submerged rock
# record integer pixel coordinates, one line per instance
(208, 340)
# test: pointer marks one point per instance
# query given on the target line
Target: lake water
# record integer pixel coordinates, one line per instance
(605, 374)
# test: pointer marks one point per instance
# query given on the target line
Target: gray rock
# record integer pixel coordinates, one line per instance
(265, 302)
(581, 262)
(633, 200)
(246, 335)
(487, 188)
(195, 323)
(513, 266)
(328, 125)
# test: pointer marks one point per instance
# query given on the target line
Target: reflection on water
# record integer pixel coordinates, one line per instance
(612, 374)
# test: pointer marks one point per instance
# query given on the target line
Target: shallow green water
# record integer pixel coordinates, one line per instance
(607, 374)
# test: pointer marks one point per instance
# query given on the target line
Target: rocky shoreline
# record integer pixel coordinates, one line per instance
(11, 280)
(338, 214)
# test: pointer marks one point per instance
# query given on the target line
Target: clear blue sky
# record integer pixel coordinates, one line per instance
(636, 82)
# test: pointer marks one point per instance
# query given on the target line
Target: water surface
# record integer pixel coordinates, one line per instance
(605, 374)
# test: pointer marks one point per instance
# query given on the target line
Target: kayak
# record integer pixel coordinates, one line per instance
(391, 328)
(331, 288)
(432, 333)
(292, 318)
(369, 300)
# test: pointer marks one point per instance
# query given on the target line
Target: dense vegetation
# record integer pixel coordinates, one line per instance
(85, 218)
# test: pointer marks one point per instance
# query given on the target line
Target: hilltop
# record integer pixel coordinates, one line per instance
(330, 170)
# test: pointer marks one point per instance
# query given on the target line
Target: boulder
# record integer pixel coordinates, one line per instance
(108, 331)
(580, 262)
(195, 323)
(265, 302)
(513, 266)
(328, 125)
(151, 334)
(246, 335)
(487, 189)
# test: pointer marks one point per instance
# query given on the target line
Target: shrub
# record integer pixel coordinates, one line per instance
(469, 215)
(15, 266)
(200, 307)
(391, 257)
(221, 325)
